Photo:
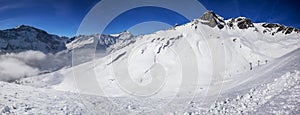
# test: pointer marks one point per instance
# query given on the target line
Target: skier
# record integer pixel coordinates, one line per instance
(250, 66)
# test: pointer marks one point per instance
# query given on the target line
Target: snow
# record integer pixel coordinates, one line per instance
(275, 88)
(259, 96)
(16, 99)
(183, 70)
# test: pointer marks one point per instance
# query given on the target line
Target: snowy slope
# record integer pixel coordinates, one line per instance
(256, 63)
(26, 51)
(276, 93)
(241, 46)
(262, 90)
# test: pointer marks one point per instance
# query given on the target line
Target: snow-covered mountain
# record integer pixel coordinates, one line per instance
(36, 52)
(213, 20)
(97, 45)
(253, 65)
(24, 38)
(246, 45)
(102, 42)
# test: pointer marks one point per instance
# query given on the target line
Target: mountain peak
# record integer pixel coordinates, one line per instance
(24, 37)
(28, 28)
(209, 13)
(212, 19)
(240, 22)
(24, 26)
(125, 33)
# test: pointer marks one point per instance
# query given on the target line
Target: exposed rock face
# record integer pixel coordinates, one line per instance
(230, 23)
(25, 38)
(212, 20)
(244, 23)
(266, 25)
(241, 23)
(270, 27)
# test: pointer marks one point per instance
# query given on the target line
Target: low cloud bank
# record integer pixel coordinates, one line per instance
(15, 66)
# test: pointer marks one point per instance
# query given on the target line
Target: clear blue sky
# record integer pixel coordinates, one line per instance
(62, 17)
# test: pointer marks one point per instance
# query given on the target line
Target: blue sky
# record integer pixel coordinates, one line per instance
(63, 17)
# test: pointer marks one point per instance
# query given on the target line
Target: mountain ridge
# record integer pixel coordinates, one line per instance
(212, 20)
(51, 43)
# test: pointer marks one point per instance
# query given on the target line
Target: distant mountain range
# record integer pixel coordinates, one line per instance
(23, 38)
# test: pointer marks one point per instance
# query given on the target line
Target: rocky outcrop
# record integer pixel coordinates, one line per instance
(212, 20)
(244, 23)
(279, 28)
(240, 22)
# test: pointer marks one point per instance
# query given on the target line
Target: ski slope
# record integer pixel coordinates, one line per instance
(241, 47)
(192, 68)
(273, 92)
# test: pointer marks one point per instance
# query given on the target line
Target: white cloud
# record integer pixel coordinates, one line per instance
(12, 69)
(14, 66)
